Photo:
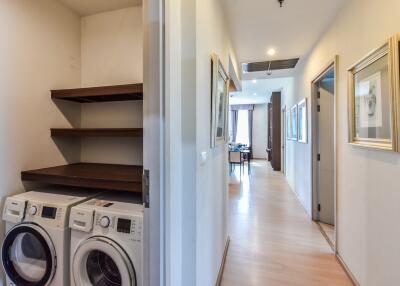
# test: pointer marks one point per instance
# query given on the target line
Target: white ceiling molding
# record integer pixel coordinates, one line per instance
(259, 92)
(90, 7)
(234, 76)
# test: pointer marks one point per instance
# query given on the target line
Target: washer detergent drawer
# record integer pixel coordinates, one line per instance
(81, 219)
(14, 210)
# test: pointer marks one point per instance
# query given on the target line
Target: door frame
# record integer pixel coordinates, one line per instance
(154, 141)
(283, 139)
(314, 144)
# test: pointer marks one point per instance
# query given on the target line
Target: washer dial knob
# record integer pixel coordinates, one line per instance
(33, 210)
(105, 222)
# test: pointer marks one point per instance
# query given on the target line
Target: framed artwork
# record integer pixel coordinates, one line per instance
(374, 98)
(219, 102)
(288, 127)
(293, 122)
(302, 121)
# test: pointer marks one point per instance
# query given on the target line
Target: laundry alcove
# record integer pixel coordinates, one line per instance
(105, 131)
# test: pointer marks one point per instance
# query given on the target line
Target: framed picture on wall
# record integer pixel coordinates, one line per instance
(293, 122)
(374, 98)
(302, 121)
(288, 126)
(219, 102)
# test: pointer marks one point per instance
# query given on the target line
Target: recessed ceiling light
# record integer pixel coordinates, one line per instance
(255, 94)
(254, 81)
(271, 52)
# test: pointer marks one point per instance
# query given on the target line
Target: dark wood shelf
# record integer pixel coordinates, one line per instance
(97, 132)
(90, 175)
(101, 93)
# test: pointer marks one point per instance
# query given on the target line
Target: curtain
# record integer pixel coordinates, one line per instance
(242, 107)
(250, 127)
(235, 116)
(251, 131)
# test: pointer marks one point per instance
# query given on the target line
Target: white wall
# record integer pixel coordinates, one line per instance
(212, 177)
(112, 53)
(112, 47)
(298, 155)
(260, 131)
(39, 51)
(367, 180)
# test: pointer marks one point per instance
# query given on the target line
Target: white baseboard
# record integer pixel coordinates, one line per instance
(222, 266)
(347, 270)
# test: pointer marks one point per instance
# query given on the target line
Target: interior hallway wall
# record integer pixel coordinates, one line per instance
(260, 131)
(39, 51)
(212, 36)
(112, 53)
(367, 180)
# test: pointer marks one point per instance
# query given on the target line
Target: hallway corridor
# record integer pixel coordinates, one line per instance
(273, 241)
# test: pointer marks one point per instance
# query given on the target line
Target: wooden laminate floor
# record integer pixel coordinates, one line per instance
(273, 241)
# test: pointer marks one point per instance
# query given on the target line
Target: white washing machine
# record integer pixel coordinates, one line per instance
(35, 250)
(107, 242)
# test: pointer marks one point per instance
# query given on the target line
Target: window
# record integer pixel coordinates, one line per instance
(230, 126)
(242, 135)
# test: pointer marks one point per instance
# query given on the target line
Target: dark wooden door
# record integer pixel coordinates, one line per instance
(274, 131)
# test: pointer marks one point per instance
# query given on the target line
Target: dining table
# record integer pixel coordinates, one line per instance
(245, 153)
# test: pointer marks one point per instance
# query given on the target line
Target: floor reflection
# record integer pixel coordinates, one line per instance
(273, 241)
(242, 183)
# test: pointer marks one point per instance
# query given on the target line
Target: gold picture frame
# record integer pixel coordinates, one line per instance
(373, 94)
(219, 102)
(302, 121)
(293, 123)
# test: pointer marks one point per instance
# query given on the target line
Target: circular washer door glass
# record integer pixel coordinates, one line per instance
(28, 256)
(102, 270)
(100, 261)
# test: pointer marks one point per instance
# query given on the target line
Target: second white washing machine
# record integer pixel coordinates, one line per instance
(107, 242)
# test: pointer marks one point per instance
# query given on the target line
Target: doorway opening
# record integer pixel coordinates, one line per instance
(274, 147)
(283, 139)
(323, 125)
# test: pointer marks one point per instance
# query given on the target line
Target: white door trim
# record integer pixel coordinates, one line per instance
(173, 144)
(283, 139)
(314, 146)
(153, 139)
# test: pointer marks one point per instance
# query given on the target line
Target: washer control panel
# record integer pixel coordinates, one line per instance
(128, 227)
(50, 214)
(104, 221)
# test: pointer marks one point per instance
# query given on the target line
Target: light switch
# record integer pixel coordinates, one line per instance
(203, 157)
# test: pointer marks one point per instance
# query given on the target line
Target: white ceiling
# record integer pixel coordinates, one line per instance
(90, 7)
(259, 92)
(258, 25)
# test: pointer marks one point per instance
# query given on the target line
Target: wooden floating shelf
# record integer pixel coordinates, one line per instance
(101, 94)
(90, 175)
(97, 132)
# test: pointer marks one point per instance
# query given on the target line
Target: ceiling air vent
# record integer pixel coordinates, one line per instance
(270, 65)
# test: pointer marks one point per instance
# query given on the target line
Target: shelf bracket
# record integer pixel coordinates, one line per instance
(146, 188)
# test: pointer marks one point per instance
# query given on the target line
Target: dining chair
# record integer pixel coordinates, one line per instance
(236, 158)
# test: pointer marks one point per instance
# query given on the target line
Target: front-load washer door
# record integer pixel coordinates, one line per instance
(99, 261)
(28, 255)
